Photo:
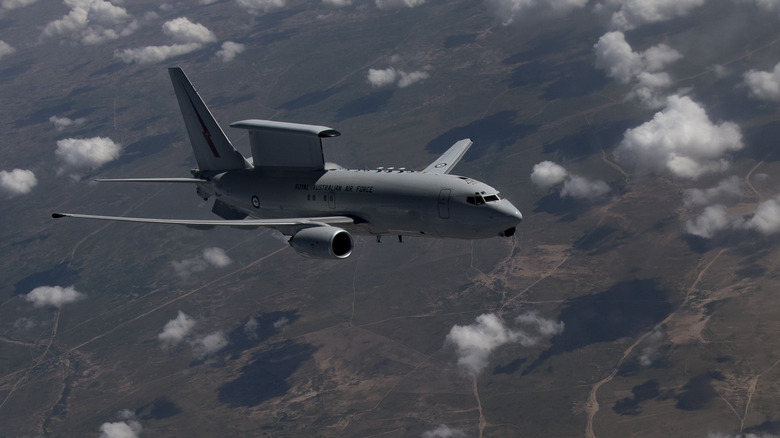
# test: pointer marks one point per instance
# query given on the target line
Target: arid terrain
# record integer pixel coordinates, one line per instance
(638, 297)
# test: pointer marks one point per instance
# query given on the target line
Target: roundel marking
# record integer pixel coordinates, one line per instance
(440, 165)
(255, 201)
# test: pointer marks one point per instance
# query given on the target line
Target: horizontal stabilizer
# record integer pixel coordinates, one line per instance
(447, 161)
(154, 180)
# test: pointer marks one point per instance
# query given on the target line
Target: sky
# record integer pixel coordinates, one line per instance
(681, 133)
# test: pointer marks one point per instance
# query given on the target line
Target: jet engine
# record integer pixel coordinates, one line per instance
(323, 242)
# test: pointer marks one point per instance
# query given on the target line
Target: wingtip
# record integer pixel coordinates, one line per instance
(57, 215)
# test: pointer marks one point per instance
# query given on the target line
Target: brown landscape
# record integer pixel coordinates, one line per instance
(605, 315)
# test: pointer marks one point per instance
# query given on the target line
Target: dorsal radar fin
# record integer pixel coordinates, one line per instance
(213, 150)
(286, 145)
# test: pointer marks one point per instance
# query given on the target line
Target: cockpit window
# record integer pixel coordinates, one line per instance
(479, 200)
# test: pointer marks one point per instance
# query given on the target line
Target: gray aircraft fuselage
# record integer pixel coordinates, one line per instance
(381, 201)
(287, 186)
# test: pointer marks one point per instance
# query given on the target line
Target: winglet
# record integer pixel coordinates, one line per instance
(449, 159)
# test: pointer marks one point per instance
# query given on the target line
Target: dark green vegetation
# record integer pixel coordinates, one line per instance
(673, 335)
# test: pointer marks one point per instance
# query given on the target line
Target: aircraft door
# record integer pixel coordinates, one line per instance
(332, 200)
(444, 204)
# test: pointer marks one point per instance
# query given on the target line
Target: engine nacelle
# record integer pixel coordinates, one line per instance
(323, 242)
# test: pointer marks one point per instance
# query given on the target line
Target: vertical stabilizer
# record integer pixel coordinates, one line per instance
(213, 150)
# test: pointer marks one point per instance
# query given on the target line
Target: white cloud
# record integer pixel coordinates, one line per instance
(728, 188)
(630, 14)
(154, 54)
(337, 3)
(380, 78)
(616, 57)
(766, 217)
(25, 324)
(508, 10)
(444, 431)
(712, 220)
(395, 4)
(5, 49)
(768, 5)
(17, 182)
(393, 75)
(129, 427)
(181, 329)
(229, 51)
(61, 123)
(410, 78)
(56, 296)
(281, 322)
(474, 343)
(680, 140)
(716, 218)
(764, 85)
(545, 327)
(657, 57)
(185, 268)
(547, 174)
(186, 35)
(250, 328)
(176, 330)
(92, 22)
(650, 89)
(205, 346)
(650, 347)
(86, 153)
(183, 31)
(261, 6)
(210, 257)
(7, 5)
(216, 257)
(579, 187)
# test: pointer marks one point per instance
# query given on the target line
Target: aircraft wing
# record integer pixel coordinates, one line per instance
(283, 224)
(449, 159)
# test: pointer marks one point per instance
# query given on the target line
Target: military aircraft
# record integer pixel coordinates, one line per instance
(286, 186)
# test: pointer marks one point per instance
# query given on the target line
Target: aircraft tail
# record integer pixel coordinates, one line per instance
(213, 150)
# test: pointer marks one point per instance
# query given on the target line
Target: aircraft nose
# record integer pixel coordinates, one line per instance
(506, 212)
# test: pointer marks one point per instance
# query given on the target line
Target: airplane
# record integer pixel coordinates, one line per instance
(287, 186)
